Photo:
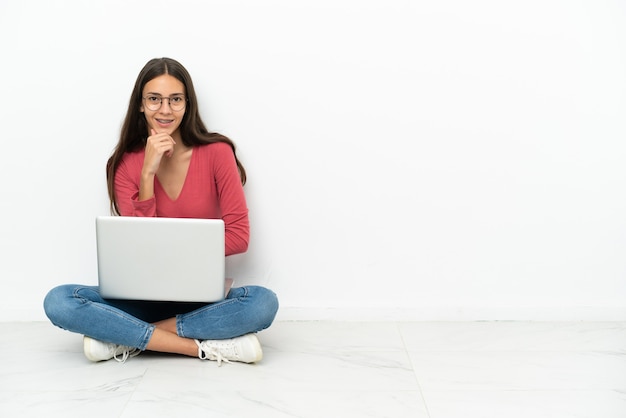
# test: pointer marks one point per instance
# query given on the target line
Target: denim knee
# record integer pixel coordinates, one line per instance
(60, 304)
(265, 306)
(54, 302)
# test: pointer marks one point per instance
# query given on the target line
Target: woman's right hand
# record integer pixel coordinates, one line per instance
(157, 145)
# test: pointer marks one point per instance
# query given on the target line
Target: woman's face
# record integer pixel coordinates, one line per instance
(167, 116)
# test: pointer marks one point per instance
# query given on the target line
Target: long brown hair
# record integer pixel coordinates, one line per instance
(134, 131)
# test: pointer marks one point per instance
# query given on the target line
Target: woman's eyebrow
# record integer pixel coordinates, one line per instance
(159, 94)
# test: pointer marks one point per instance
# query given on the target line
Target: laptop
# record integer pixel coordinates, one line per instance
(161, 259)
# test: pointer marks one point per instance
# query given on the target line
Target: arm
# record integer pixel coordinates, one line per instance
(157, 145)
(134, 178)
(232, 200)
(127, 184)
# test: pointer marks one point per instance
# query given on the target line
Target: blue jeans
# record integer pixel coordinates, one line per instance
(81, 309)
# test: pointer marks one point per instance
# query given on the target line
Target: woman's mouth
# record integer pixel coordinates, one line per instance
(164, 122)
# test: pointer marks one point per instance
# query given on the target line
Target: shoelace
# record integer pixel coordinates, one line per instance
(209, 351)
(215, 352)
(127, 353)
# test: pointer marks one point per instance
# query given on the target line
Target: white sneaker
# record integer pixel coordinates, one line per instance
(245, 349)
(96, 350)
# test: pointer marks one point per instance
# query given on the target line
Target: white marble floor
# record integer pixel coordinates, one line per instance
(333, 369)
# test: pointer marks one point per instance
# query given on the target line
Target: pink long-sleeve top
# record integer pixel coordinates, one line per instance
(212, 190)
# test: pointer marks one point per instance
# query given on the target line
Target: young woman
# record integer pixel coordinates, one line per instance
(168, 164)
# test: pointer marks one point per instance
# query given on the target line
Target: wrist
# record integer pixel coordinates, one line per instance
(146, 175)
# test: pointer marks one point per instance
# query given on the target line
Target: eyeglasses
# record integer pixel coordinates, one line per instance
(176, 103)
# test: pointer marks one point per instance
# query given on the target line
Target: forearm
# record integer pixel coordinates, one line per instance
(237, 233)
(129, 186)
(146, 187)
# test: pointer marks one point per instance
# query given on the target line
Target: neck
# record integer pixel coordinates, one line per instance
(179, 147)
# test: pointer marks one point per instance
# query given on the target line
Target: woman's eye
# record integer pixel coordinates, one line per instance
(176, 99)
(154, 99)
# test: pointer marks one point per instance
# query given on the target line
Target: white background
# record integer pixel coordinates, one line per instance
(406, 159)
